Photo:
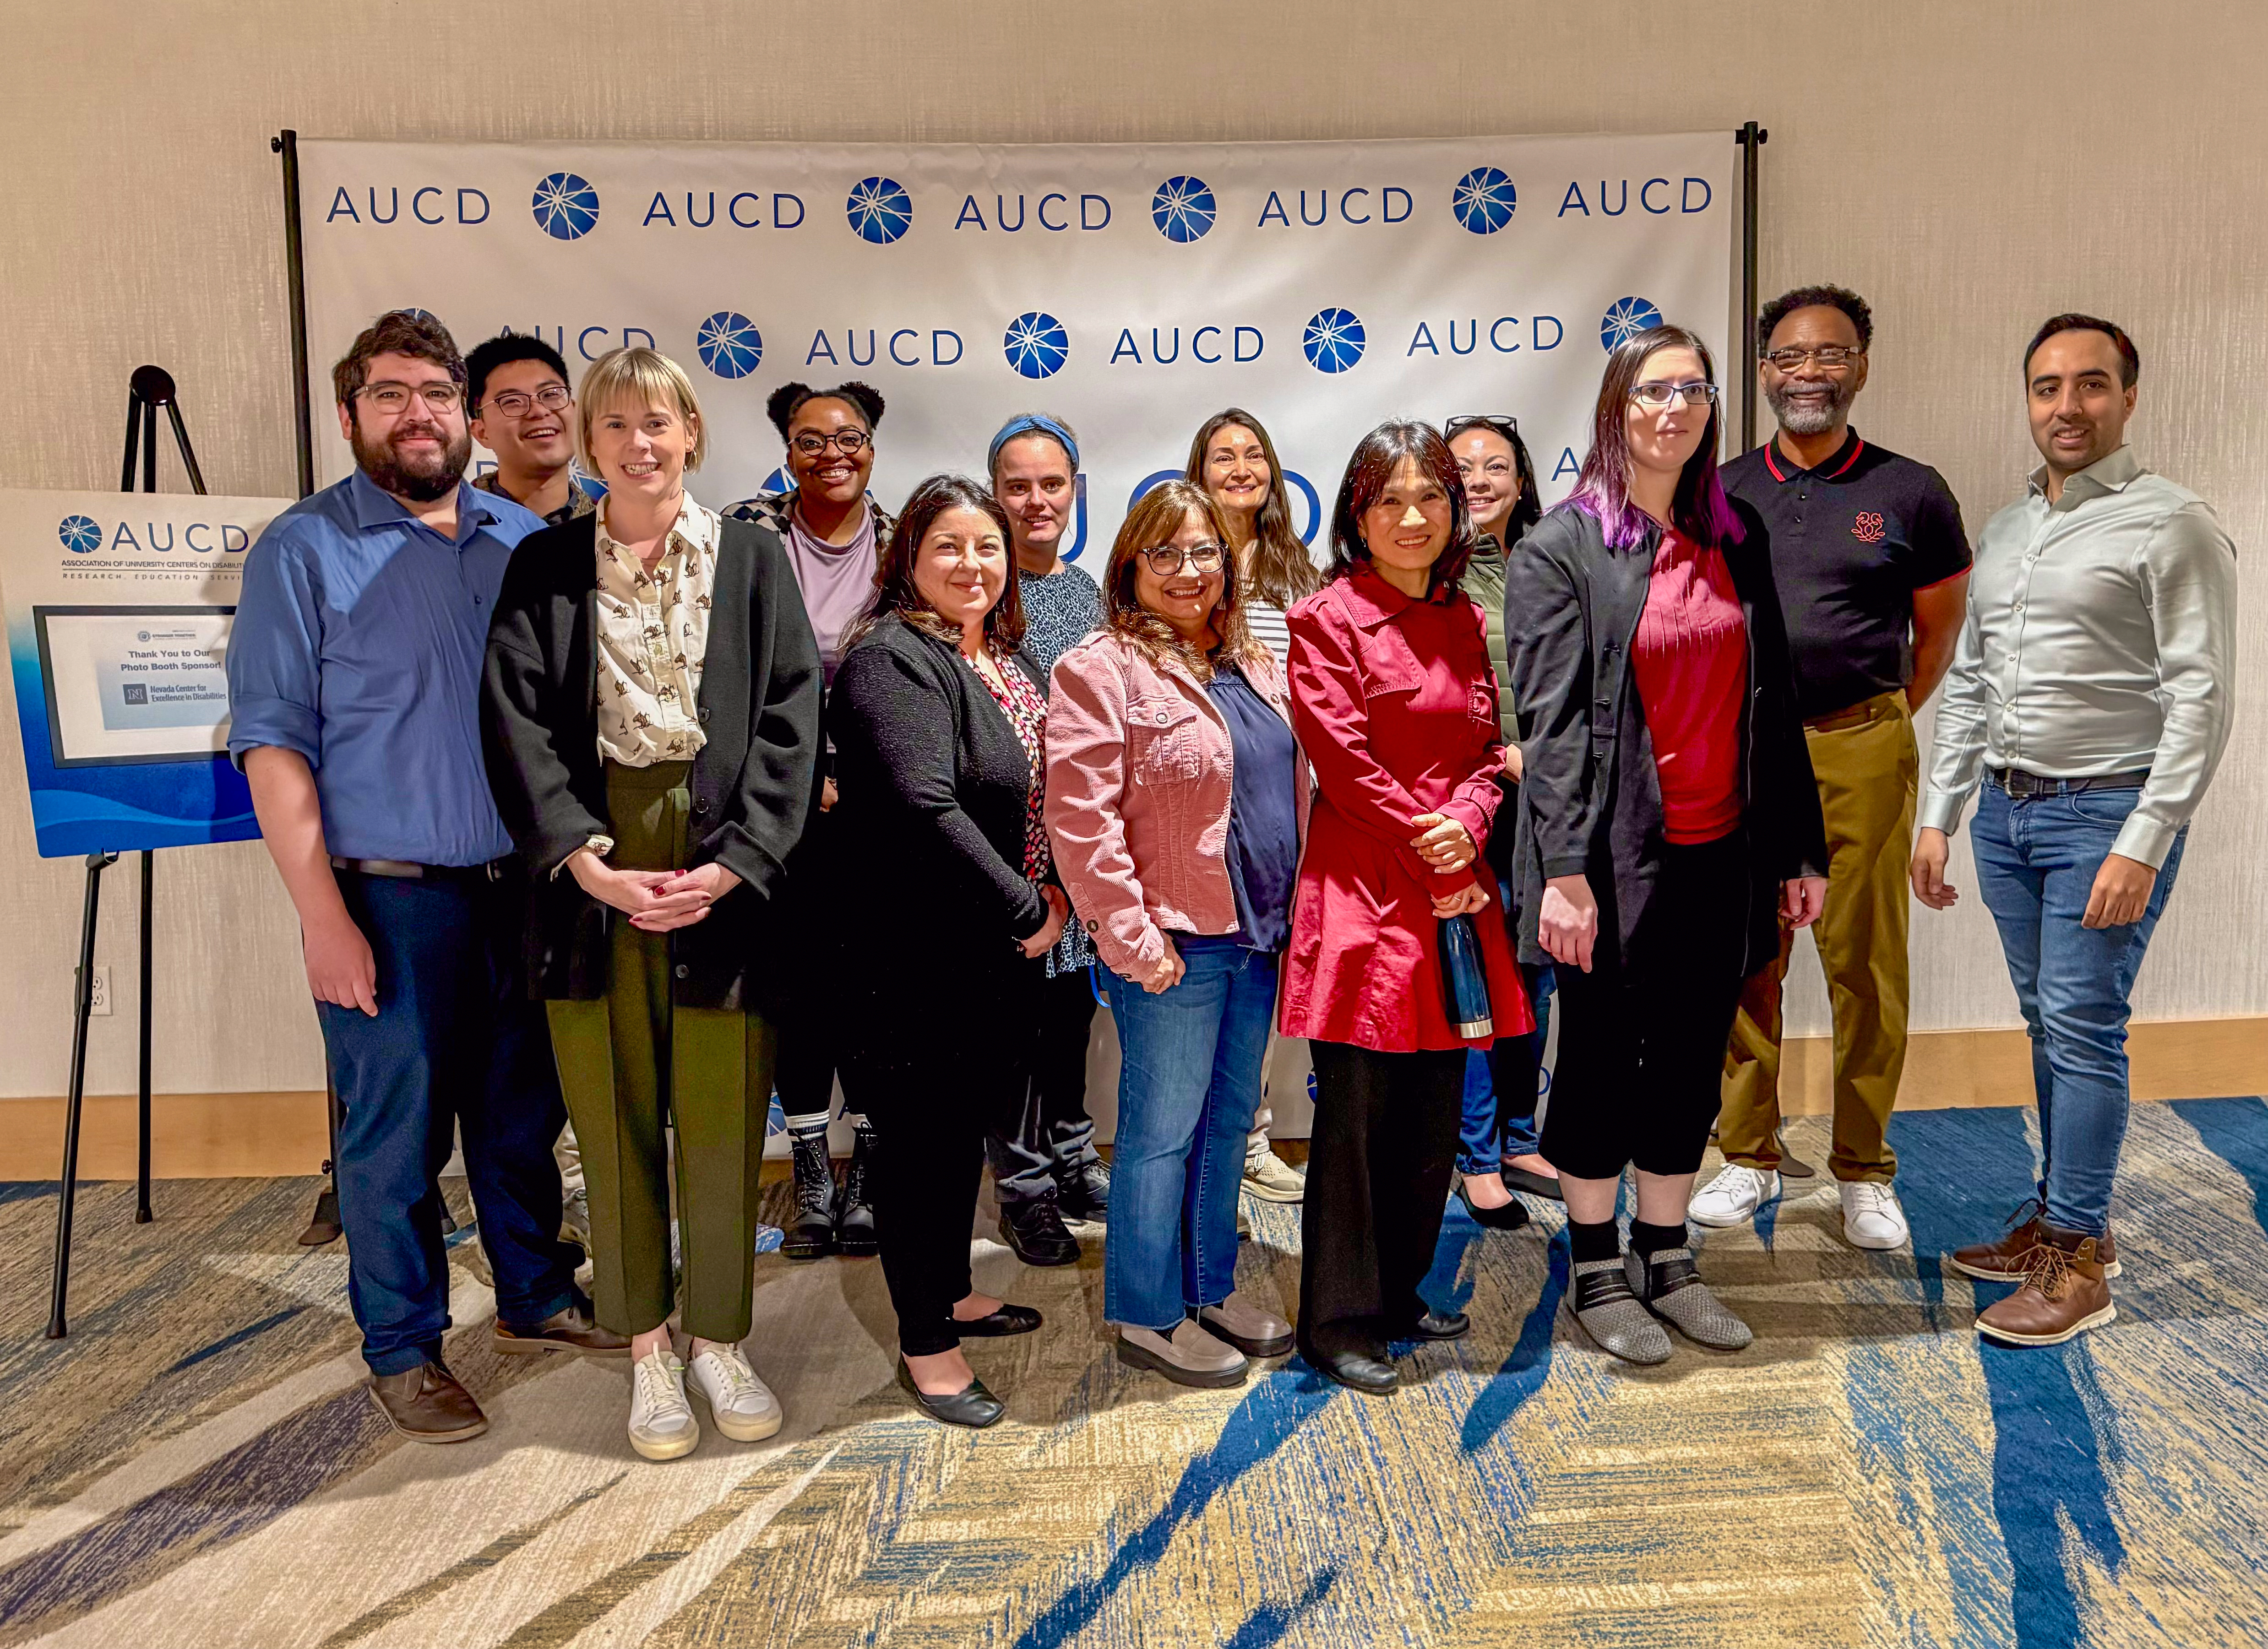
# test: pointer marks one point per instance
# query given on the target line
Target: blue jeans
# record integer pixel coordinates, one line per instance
(2037, 860)
(1501, 1086)
(1188, 1078)
(456, 1046)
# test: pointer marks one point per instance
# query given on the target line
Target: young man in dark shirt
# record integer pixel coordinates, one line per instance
(1873, 568)
(524, 412)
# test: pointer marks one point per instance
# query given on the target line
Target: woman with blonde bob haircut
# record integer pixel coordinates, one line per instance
(652, 718)
(1177, 800)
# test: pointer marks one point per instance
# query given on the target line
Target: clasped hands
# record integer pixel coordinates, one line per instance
(1447, 846)
(656, 901)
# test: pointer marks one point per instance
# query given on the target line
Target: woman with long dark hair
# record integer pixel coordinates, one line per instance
(939, 723)
(1395, 705)
(1670, 822)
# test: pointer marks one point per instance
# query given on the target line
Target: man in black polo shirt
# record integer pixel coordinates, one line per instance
(1872, 569)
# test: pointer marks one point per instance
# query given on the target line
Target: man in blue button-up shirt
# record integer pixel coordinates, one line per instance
(354, 677)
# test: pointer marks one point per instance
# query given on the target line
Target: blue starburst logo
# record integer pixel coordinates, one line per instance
(880, 209)
(566, 207)
(1184, 210)
(730, 345)
(79, 533)
(1036, 345)
(1332, 339)
(1484, 200)
(1625, 318)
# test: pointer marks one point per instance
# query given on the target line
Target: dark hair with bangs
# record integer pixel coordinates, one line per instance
(894, 590)
(1370, 471)
(1697, 509)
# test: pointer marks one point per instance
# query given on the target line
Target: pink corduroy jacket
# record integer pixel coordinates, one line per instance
(1139, 765)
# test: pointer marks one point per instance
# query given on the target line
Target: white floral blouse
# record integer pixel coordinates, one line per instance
(654, 633)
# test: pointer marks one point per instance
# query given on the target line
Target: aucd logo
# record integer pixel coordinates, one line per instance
(879, 210)
(1484, 200)
(1332, 340)
(1036, 345)
(1625, 318)
(729, 344)
(1184, 210)
(566, 207)
(79, 533)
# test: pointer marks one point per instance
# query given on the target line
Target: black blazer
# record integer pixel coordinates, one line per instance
(754, 782)
(1591, 799)
(934, 783)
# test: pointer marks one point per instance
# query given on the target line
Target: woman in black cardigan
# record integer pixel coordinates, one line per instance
(652, 710)
(939, 723)
(1669, 822)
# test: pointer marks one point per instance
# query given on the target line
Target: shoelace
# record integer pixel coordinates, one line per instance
(658, 1388)
(2047, 1269)
(738, 1376)
(1870, 1199)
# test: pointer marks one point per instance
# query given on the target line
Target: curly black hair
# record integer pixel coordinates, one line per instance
(1840, 297)
(789, 399)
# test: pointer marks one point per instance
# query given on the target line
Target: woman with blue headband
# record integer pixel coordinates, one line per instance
(1044, 1164)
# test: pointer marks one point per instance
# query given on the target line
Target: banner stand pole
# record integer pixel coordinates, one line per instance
(286, 144)
(1751, 138)
(142, 1215)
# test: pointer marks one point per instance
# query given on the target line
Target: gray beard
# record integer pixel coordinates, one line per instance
(1811, 417)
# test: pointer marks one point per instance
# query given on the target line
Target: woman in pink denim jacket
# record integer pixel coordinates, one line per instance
(1177, 804)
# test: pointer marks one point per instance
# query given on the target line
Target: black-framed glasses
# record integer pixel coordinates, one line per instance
(1833, 356)
(1169, 559)
(515, 403)
(849, 443)
(1503, 423)
(442, 395)
(1655, 393)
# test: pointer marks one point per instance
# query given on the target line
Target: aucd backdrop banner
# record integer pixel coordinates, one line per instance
(1131, 289)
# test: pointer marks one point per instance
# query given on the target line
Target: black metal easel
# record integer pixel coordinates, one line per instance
(1751, 138)
(150, 388)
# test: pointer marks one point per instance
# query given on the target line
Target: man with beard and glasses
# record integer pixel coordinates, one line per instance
(1872, 569)
(354, 676)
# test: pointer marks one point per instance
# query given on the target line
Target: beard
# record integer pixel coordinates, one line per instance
(1808, 417)
(419, 477)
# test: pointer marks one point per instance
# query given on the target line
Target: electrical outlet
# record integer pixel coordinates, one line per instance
(101, 1004)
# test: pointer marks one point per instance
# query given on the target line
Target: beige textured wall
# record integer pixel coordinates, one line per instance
(1971, 167)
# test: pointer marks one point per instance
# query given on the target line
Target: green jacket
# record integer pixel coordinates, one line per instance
(1484, 581)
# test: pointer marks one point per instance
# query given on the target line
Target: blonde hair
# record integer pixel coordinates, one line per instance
(642, 377)
(1150, 524)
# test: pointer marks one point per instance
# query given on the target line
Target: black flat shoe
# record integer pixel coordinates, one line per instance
(1544, 1185)
(1355, 1367)
(1007, 1320)
(1510, 1217)
(1435, 1325)
(971, 1406)
(1035, 1230)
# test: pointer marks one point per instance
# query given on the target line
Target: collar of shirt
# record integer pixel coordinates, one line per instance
(1785, 468)
(374, 507)
(2112, 473)
(696, 528)
(1372, 600)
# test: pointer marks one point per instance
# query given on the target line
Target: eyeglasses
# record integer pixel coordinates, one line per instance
(1169, 559)
(849, 443)
(441, 396)
(514, 404)
(1503, 423)
(1661, 394)
(1830, 355)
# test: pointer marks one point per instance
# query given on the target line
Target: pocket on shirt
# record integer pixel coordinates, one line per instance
(1162, 740)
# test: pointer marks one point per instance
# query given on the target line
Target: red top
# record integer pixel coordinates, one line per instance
(1691, 657)
(1395, 705)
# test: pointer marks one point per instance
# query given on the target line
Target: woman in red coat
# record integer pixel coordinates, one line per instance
(1394, 703)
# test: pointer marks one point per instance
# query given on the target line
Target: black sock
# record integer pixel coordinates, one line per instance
(1649, 1240)
(1600, 1241)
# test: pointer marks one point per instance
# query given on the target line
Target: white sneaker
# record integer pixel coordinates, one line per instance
(662, 1426)
(1270, 1178)
(742, 1406)
(1872, 1218)
(1734, 1196)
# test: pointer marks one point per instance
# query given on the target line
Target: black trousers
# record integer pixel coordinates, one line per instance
(815, 1023)
(934, 1095)
(1642, 1035)
(1050, 1131)
(1378, 1175)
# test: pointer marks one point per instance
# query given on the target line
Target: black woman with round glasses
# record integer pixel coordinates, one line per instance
(830, 526)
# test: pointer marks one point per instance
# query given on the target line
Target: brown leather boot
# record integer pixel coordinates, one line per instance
(2064, 1294)
(427, 1405)
(2002, 1260)
(569, 1328)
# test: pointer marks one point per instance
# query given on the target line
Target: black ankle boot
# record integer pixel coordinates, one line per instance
(811, 1231)
(854, 1214)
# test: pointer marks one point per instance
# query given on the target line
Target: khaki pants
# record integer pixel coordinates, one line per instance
(1867, 767)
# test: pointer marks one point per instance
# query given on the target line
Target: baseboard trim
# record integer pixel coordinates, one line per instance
(265, 1136)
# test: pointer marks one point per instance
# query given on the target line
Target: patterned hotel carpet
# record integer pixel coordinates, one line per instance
(196, 1465)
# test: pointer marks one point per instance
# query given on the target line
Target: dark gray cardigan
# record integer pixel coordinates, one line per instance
(754, 783)
(1591, 799)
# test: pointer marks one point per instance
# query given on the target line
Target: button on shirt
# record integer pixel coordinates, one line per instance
(653, 633)
(2100, 639)
(359, 642)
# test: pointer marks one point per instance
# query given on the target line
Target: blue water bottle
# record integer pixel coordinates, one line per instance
(1464, 980)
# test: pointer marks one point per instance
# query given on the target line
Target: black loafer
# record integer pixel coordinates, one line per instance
(1435, 1325)
(1035, 1231)
(1007, 1320)
(1510, 1217)
(1360, 1367)
(1544, 1185)
(971, 1406)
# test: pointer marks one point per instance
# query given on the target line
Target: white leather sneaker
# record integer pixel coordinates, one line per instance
(662, 1426)
(1872, 1218)
(1734, 1196)
(742, 1406)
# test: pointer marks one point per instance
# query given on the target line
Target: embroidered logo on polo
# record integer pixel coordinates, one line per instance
(1868, 528)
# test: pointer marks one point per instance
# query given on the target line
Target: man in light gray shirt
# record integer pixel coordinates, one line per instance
(2091, 692)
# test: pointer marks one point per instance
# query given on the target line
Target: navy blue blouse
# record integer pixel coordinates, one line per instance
(1263, 818)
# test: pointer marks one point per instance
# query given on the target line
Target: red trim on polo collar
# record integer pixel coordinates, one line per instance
(1771, 450)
